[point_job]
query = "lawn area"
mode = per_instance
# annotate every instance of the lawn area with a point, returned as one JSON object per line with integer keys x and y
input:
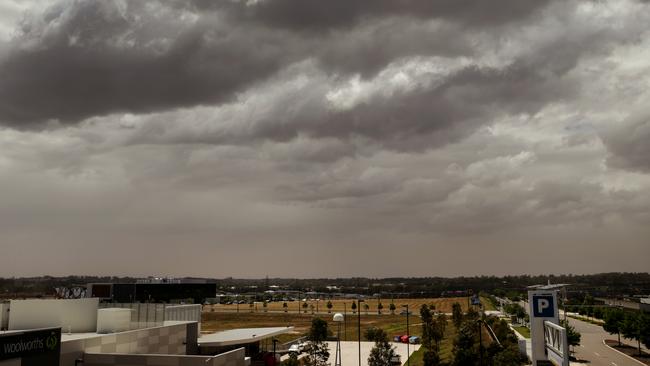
{"x": 487, "y": 303}
{"x": 446, "y": 348}
{"x": 340, "y": 306}
{"x": 392, "y": 324}
{"x": 524, "y": 331}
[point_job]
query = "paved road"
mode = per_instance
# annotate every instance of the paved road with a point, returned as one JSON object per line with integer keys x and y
{"x": 592, "y": 351}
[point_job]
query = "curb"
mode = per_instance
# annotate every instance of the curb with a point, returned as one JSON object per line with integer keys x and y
{"x": 630, "y": 357}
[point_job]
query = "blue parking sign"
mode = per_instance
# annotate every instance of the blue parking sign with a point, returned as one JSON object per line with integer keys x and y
{"x": 543, "y": 306}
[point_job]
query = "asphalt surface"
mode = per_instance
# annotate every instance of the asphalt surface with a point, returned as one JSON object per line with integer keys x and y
{"x": 593, "y": 352}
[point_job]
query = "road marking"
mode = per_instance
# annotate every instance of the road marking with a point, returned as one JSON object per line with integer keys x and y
{"x": 617, "y": 351}
{"x": 614, "y": 364}
{"x": 597, "y": 354}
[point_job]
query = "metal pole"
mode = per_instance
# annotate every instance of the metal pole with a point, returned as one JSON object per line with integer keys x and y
{"x": 408, "y": 335}
{"x": 345, "y": 322}
{"x": 359, "y": 327}
{"x": 480, "y": 343}
{"x": 274, "y": 356}
{"x": 337, "y": 359}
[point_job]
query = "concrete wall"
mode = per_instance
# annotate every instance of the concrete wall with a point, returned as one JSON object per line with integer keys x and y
{"x": 158, "y": 340}
{"x": 4, "y": 315}
{"x": 113, "y": 320}
{"x": 190, "y": 313}
{"x": 142, "y": 315}
{"x": 232, "y": 358}
{"x": 77, "y": 316}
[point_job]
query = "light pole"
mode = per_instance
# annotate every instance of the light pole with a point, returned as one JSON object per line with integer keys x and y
{"x": 338, "y": 318}
{"x": 359, "y": 301}
{"x": 480, "y": 342}
{"x": 275, "y": 359}
{"x": 408, "y": 336}
{"x": 345, "y": 322}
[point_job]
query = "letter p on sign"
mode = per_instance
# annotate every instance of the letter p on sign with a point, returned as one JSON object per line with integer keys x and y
{"x": 543, "y": 306}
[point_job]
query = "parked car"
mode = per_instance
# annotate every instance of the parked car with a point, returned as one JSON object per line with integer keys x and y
{"x": 414, "y": 340}
{"x": 397, "y": 338}
{"x": 296, "y": 348}
{"x": 404, "y": 312}
{"x": 404, "y": 339}
{"x": 396, "y": 360}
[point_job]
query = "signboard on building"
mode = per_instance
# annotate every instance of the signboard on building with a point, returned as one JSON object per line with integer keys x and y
{"x": 33, "y": 348}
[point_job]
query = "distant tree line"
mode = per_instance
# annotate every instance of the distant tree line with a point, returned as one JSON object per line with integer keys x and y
{"x": 604, "y": 284}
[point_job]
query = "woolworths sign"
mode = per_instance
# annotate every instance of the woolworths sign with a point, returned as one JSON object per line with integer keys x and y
{"x": 37, "y": 347}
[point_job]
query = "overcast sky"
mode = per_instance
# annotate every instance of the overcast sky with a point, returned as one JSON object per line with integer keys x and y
{"x": 310, "y": 138}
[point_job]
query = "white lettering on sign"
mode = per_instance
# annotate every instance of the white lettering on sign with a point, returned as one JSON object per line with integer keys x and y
{"x": 543, "y": 304}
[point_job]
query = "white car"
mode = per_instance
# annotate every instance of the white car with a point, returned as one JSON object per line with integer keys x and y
{"x": 296, "y": 348}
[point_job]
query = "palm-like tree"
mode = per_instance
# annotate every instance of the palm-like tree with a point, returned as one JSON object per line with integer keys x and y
{"x": 329, "y": 306}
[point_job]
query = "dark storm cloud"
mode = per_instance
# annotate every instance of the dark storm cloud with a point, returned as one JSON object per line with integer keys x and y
{"x": 99, "y": 60}
{"x": 629, "y": 143}
{"x": 80, "y": 59}
{"x": 322, "y": 15}
{"x": 427, "y": 116}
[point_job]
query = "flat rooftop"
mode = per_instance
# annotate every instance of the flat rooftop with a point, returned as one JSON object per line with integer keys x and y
{"x": 240, "y": 336}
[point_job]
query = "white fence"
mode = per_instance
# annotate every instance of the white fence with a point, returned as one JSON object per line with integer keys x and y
{"x": 557, "y": 347}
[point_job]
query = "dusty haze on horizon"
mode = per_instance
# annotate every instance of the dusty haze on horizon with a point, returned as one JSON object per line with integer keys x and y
{"x": 310, "y": 138}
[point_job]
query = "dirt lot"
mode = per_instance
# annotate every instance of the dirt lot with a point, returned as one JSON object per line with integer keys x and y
{"x": 441, "y": 304}
{"x": 225, "y": 317}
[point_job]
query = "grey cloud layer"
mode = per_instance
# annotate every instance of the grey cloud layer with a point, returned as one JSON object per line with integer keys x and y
{"x": 475, "y": 129}
{"x": 80, "y": 59}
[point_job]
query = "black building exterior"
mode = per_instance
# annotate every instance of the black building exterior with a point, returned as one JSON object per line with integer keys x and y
{"x": 155, "y": 292}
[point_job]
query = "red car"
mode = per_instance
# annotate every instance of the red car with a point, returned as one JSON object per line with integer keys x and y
{"x": 404, "y": 339}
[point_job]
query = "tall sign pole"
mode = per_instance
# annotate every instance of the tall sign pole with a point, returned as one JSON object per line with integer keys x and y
{"x": 543, "y": 307}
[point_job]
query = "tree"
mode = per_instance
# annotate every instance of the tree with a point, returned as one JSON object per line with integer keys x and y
{"x": 382, "y": 353}
{"x": 329, "y": 306}
{"x": 366, "y": 307}
{"x": 392, "y": 308}
{"x": 645, "y": 330}
{"x": 427, "y": 327}
{"x": 304, "y": 306}
{"x": 613, "y": 322}
{"x": 265, "y": 305}
{"x": 572, "y": 335}
{"x": 251, "y": 304}
{"x": 438, "y": 331}
{"x": 354, "y": 307}
{"x": 317, "y": 331}
{"x": 373, "y": 334}
{"x": 472, "y": 315}
{"x": 379, "y": 307}
{"x": 509, "y": 356}
{"x": 636, "y": 326}
{"x": 318, "y": 350}
{"x": 292, "y": 361}
{"x": 465, "y": 350}
{"x": 456, "y": 314}
{"x": 430, "y": 358}
{"x": 285, "y": 307}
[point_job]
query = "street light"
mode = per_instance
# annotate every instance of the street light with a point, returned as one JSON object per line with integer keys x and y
{"x": 408, "y": 336}
{"x": 359, "y": 301}
{"x": 345, "y": 322}
{"x": 338, "y": 318}
{"x": 480, "y": 342}
{"x": 275, "y": 357}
